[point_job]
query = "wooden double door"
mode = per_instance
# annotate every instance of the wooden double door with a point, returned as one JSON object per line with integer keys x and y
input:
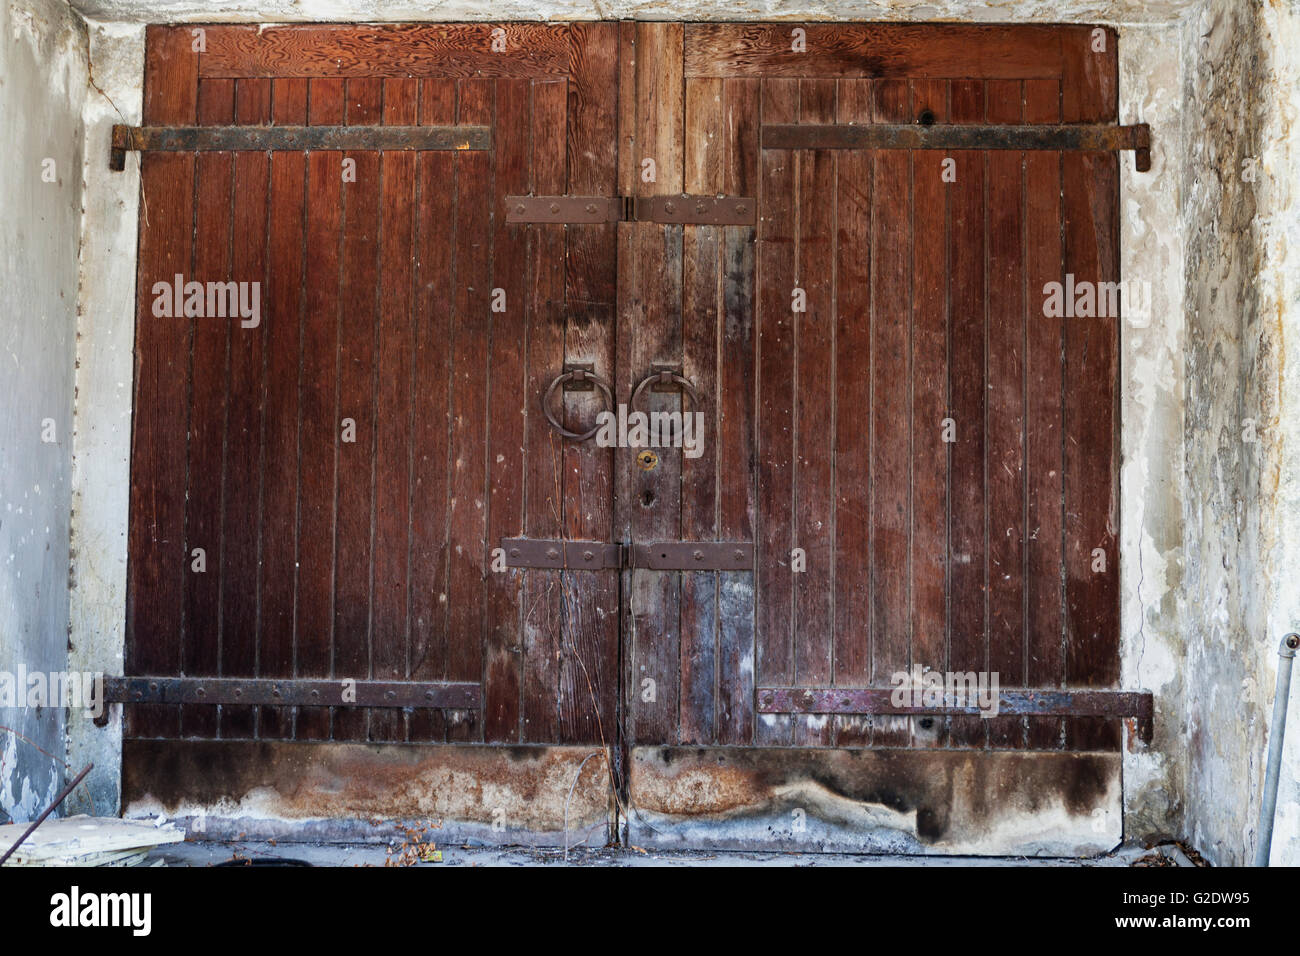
{"x": 914, "y": 461}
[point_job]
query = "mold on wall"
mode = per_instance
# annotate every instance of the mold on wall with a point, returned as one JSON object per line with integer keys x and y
{"x": 42, "y": 88}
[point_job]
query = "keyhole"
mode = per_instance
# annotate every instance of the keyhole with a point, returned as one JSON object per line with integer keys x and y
{"x": 647, "y": 498}
{"x": 927, "y": 117}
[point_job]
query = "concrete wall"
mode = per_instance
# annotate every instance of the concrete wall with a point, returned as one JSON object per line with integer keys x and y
{"x": 42, "y": 90}
{"x": 1240, "y": 498}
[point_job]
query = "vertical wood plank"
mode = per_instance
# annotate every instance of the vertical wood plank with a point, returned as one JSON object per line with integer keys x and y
{"x": 968, "y": 388}
{"x": 736, "y": 416}
{"x": 241, "y": 547}
{"x": 508, "y": 411}
{"x": 543, "y": 590}
{"x": 929, "y": 390}
{"x": 851, "y": 371}
{"x": 209, "y": 368}
{"x": 394, "y": 407}
{"x": 706, "y": 148}
{"x": 775, "y": 441}
{"x": 318, "y": 401}
{"x": 1006, "y": 410}
{"x": 891, "y": 373}
{"x": 431, "y": 384}
{"x": 156, "y": 527}
{"x": 1043, "y": 417}
{"x": 468, "y": 481}
{"x": 650, "y": 314}
{"x": 1091, "y": 358}
{"x": 814, "y": 331}
{"x": 588, "y": 665}
{"x": 357, "y": 328}
{"x": 283, "y": 303}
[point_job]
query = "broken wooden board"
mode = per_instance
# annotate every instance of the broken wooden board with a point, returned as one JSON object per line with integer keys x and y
{"x": 86, "y": 841}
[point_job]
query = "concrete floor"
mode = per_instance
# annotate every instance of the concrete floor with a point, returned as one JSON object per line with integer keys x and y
{"x": 320, "y": 854}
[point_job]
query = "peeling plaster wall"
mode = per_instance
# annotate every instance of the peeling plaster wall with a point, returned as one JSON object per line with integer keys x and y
{"x": 42, "y": 87}
{"x": 1241, "y": 90}
{"x": 1151, "y": 415}
{"x": 105, "y": 374}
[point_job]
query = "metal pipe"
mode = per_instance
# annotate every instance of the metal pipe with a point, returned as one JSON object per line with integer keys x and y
{"x": 48, "y": 810}
{"x": 1277, "y": 730}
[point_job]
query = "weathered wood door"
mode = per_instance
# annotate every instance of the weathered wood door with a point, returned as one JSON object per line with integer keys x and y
{"x": 919, "y": 452}
{"x": 313, "y": 494}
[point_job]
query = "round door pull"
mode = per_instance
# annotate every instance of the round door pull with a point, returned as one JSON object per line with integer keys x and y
{"x": 574, "y": 375}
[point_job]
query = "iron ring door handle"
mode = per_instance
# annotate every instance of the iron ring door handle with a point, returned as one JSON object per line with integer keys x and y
{"x": 664, "y": 377}
{"x": 575, "y": 375}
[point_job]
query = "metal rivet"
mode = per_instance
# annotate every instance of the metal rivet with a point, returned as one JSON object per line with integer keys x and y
{"x": 740, "y": 208}
{"x": 739, "y": 555}
{"x": 669, "y": 207}
{"x": 699, "y": 555}
{"x": 591, "y": 207}
{"x": 552, "y": 553}
{"x": 555, "y": 207}
{"x": 514, "y": 552}
{"x": 587, "y": 555}
{"x": 519, "y": 208}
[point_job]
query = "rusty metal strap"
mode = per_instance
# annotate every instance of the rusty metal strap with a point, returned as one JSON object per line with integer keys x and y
{"x": 694, "y": 556}
{"x": 655, "y": 556}
{"x": 185, "y": 139}
{"x": 292, "y": 692}
{"x": 1036, "y": 702}
{"x": 688, "y": 210}
{"x": 556, "y": 553}
{"x": 1065, "y": 137}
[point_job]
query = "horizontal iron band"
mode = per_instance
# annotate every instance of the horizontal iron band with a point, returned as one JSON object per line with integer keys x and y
{"x": 1037, "y": 702}
{"x": 562, "y": 554}
{"x": 260, "y": 138}
{"x": 694, "y": 556}
{"x": 1067, "y": 137}
{"x": 292, "y": 692}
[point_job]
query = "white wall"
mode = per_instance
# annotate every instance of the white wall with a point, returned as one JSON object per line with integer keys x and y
{"x": 42, "y": 88}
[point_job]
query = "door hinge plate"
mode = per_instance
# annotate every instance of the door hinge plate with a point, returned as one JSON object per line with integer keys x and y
{"x": 562, "y": 554}
{"x": 290, "y": 692}
{"x": 682, "y": 210}
{"x": 655, "y": 556}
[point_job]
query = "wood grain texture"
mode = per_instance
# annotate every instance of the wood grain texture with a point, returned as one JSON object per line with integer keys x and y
{"x": 283, "y": 305}
{"x": 774, "y": 538}
{"x": 929, "y": 397}
{"x": 1091, "y": 187}
{"x": 241, "y": 553}
{"x": 318, "y": 402}
{"x": 158, "y": 560}
{"x": 588, "y": 664}
{"x": 209, "y": 370}
{"x": 734, "y": 708}
{"x": 1006, "y": 409}
{"x": 895, "y": 51}
{"x": 968, "y": 386}
{"x": 891, "y": 413}
{"x": 1044, "y": 407}
{"x": 435, "y": 268}
{"x": 390, "y": 585}
{"x": 508, "y": 412}
{"x": 402, "y": 50}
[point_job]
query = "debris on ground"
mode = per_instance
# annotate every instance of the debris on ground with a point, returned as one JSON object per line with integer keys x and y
{"x": 87, "y": 841}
